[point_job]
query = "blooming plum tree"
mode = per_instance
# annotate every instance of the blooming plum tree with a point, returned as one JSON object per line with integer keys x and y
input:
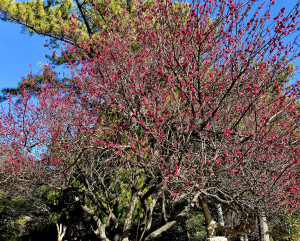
{"x": 185, "y": 99}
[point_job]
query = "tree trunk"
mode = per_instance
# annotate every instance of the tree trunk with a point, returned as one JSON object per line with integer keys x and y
{"x": 264, "y": 228}
{"x": 129, "y": 216}
{"x": 61, "y": 231}
{"x": 217, "y": 239}
{"x": 220, "y": 214}
{"x": 211, "y": 225}
{"x": 220, "y": 217}
{"x": 100, "y": 231}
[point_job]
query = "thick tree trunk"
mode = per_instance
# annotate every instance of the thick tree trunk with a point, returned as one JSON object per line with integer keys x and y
{"x": 220, "y": 217}
{"x": 211, "y": 225}
{"x": 264, "y": 228}
{"x": 220, "y": 214}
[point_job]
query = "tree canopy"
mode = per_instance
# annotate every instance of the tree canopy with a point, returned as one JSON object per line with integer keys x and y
{"x": 191, "y": 106}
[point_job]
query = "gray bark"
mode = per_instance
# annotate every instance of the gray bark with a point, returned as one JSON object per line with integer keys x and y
{"x": 264, "y": 228}
{"x": 129, "y": 216}
{"x": 220, "y": 215}
{"x": 100, "y": 231}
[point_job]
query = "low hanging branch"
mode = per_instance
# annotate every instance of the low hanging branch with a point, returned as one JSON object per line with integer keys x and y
{"x": 183, "y": 214}
{"x": 212, "y": 226}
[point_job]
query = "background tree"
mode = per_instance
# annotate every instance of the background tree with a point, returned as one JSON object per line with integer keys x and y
{"x": 51, "y": 20}
{"x": 285, "y": 227}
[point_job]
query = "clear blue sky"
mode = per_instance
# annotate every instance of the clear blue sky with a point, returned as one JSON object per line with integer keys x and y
{"x": 19, "y": 50}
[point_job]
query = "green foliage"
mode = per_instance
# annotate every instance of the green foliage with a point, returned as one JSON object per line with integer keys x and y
{"x": 15, "y": 216}
{"x": 51, "y": 18}
{"x": 36, "y": 15}
{"x": 286, "y": 228}
{"x": 122, "y": 194}
{"x": 196, "y": 227}
{"x": 192, "y": 229}
{"x": 63, "y": 209}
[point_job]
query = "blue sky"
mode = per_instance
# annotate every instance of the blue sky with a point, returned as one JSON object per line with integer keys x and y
{"x": 17, "y": 51}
